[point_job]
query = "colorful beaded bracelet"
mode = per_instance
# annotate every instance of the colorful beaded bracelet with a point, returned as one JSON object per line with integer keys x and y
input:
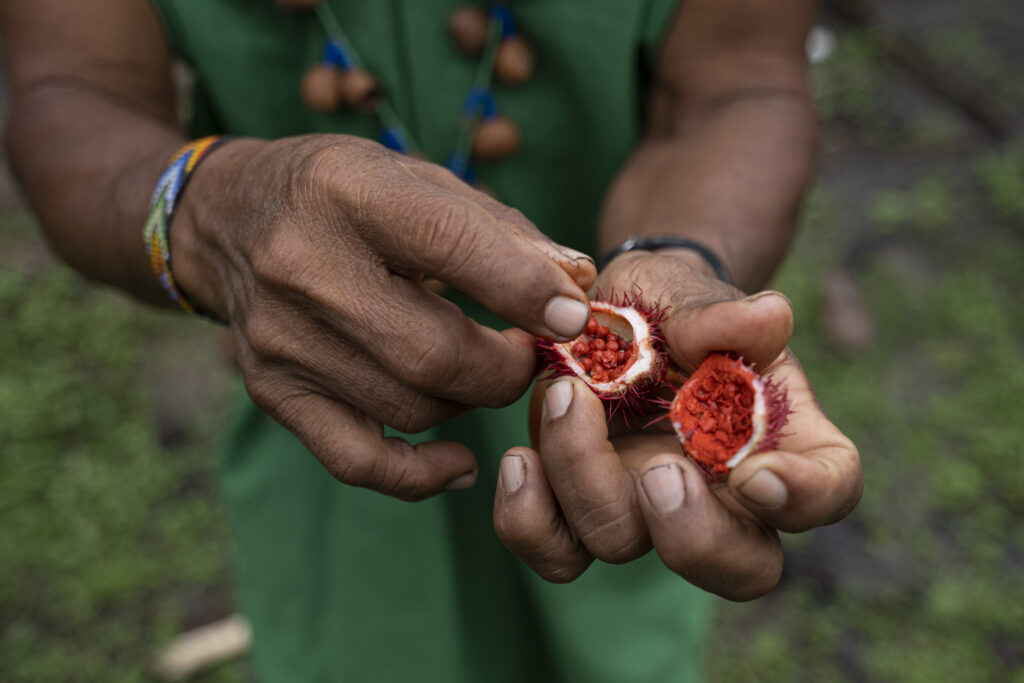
{"x": 156, "y": 233}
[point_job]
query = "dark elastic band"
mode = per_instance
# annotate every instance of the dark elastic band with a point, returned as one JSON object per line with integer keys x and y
{"x": 656, "y": 242}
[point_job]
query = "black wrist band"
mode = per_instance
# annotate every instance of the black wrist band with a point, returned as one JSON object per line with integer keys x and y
{"x": 656, "y": 242}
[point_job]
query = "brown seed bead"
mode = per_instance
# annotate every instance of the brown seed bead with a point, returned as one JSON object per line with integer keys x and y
{"x": 320, "y": 89}
{"x": 359, "y": 90}
{"x": 297, "y": 4}
{"x": 468, "y": 28}
{"x": 514, "y": 63}
{"x": 496, "y": 138}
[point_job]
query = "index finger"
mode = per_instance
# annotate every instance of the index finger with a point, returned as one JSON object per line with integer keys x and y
{"x": 503, "y": 262}
{"x": 594, "y": 490}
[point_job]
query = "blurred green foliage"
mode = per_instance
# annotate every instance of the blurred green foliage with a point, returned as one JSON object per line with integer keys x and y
{"x": 925, "y": 580}
{"x": 106, "y": 535}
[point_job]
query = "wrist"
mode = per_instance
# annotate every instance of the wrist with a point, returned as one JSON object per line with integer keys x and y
{"x": 698, "y": 255}
{"x": 204, "y": 234}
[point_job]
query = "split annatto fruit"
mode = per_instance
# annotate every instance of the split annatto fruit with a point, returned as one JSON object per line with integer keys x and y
{"x": 619, "y": 354}
{"x": 725, "y": 411}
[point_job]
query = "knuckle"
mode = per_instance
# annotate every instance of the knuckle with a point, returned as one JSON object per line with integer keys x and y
{"x": 282, "y": 259}
{"x": 320, "y": 162}
{"x": 697, "y": 553}
{"x": 561, "y": 573}
{"x": 351, "y": 466}
{"x": 384, "y": 474}
{"x": 415, "y": 413}
{"x": 761, "y": 584}
{"x": 613, "y": 531}
{"x": 523, "y": 536}
{"x": 618, "y": 540}
{"x": 549, "y": 552}
{"x": 444, "y": 235}
{"x": 429, "y": 364}
{"x": 267, "y": 337}
{"x": 261, "y": 389}
{"x": 277, "y": 394}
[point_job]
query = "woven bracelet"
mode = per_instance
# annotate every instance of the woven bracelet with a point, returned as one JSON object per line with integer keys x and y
{"x": 656, "y": 242}
{"x": 156, "y": 232}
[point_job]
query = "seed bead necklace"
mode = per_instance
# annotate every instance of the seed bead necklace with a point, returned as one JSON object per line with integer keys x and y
{"x": 341, "y": 78}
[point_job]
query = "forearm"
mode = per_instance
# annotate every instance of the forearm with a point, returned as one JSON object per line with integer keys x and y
{"x": 88, "y": 164}
{"x": 91, "y": 125}
{"x": 731, "y": 136}
{"x": 731, "y": 177}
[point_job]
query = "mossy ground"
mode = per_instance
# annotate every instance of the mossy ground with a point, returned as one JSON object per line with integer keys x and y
{"x": 113, "y": 539}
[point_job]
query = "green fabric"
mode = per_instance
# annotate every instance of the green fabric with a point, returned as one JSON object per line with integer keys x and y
{"x": 343, "y": 584}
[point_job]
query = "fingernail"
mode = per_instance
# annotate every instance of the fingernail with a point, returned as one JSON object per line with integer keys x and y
{"x": 557, "y": 399}
{"x": 566, "y": 317}
{"x": 664, "y": 487}
{"x": 574, "y": 255}
{"x": 765, "y": 294}
{"x": 512, "y": 472}
{"x": 764, "y": 488}
{"x": 463, "y": 481}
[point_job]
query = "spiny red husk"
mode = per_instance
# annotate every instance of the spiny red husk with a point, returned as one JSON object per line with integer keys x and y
{"x": 725, "y": 411}
{"x": 625, "y": 379}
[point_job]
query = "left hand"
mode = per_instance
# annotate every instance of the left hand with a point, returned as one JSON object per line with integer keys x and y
{"x": 586, "y": 493}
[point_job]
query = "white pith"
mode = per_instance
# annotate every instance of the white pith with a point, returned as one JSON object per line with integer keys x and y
{"x": 614, "y": 318}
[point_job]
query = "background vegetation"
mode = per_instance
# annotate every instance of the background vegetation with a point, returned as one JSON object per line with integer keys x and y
{"x": 905, "y": 281}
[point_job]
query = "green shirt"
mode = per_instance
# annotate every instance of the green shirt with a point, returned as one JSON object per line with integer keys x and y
{"x": 345, "y": 584}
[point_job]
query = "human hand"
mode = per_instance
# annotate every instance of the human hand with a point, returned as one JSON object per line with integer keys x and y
{"x": 315, "y": 249}
{"x": 591, "y": 489}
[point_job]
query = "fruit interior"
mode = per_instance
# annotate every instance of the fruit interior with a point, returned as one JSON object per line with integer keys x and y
{"x": 606, "y": 349}
{"x": 715, "y": 413}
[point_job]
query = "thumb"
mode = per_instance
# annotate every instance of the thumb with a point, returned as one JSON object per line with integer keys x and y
{"x": 757, "y": 328}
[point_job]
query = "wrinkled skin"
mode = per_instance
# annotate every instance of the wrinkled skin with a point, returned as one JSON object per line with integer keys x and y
{"x": 586, "y": 493}
{"x": 336, "y": 331}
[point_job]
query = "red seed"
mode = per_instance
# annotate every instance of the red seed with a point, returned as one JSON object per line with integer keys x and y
{"x": 586, "y": 364}
{"x": 602, "y": 330}
{"x": 613, "y": 345}
{"x": 591, "y": 326}
{"x": 580, "y": 349}
{"x": 597, "y": 344}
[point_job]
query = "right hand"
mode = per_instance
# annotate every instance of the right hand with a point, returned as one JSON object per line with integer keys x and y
{"x": 315, "y": 250}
